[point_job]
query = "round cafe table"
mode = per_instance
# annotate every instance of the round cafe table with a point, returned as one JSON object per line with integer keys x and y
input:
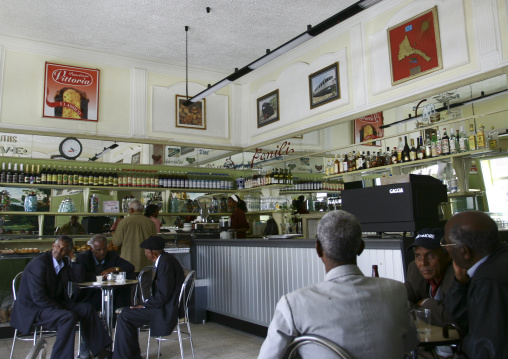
{"x": 435, "y": 338}
{"x": 107, "y": 288}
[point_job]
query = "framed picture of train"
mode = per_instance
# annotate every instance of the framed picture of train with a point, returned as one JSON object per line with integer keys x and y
{"x": 324, "y": 85}
{"x": 268, "y": 108}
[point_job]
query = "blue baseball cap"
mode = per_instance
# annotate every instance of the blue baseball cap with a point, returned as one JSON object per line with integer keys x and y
{"x": 429, "y": 238}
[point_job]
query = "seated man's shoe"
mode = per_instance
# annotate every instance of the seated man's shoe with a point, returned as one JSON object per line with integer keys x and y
{"x": 84, "y": 351}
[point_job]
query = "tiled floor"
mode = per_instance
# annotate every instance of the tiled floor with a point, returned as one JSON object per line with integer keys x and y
{"x": 211, "y": 341}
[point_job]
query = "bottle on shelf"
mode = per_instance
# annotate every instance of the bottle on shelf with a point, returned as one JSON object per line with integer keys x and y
{"x": 28, "y": 174}
{"x": 405, "y": 151}
{"x": 393, "y": 156}
{"x": 375, "y": 272}
{"x": 345, "y": 163}
{"x": 15, "y": 174}
{"x": 9, "y": 173}
{"x": 3, "y": 174}
{"x": 21, "y": 176}
{"x": 65, "y": 176}
{"x": 493, "y": 139}
{"x": 445, "y": 143}
{"x": 412, "y": 151}
{"x": 439, "y": 144}
{"x": 421, "y": 150}
{"x": 367, "y": 160}
{"x": 399, "y": 150}
{"x": 44, "y": 177}
{"x": 36, "y": 175}
{"x": 453, "y": 143}
{"x": 351, "y": 166}
{"x": 388, "y": 157}
{"x": 433, "y": 145}
{"x": 480, "y": 138}
{"x": 472, "y": 138}
{"x": 336, "y": 165}
{"x": 428, "y": 147}
{"x": 54, "y": 175}
{"x": 463, "y": 140}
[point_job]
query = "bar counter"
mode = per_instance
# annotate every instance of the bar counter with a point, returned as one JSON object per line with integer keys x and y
{"x": 246, "y": 277}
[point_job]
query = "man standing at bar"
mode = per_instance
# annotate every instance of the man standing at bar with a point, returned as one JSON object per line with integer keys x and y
{"x": 160, "y": 310}
{"x": 129, "y": 234}
{"x": 479, "y": 295}
{"x": 428, "y": 280}
{"x": 43, "y": 300}
{"x": 368, "y": 317}
{"x": 99, "y": 261}
{"x": 72, "y": 227}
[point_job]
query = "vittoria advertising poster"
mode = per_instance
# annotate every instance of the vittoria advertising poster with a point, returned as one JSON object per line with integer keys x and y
{"x": 71, "y": 92}
{"x": 367, "y": 128}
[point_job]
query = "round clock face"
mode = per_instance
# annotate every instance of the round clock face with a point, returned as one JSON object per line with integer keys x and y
{"x": 70, "y": 148}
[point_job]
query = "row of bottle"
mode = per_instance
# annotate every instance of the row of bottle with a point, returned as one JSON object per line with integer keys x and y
{"x": 434, "y": 146}
{"x": 316, "y": 184}
{"x": 270, "y": 177}
{"x": 73, "y": 176}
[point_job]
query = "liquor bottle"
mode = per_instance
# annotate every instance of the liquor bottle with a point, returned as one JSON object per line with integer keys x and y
{"x": 445, "y": 143}
{"x": 405, "y": 151}
{"x": 65, "y": 176}
{"x": 85, "y": 177}
{"x": 428, "y": 147}
{"x": 351, "y": 166}
{"x": 493, "y": 139}
{"x": 433, "y": 143}
{"x": 336, "y": 165}
{"x": 54, "y": 175}
{"x": 463, "y": 140}
{"x": 367, "y": 160}
{"x": 327, "y": 166}
{"x": 373, "y": 160}
{"x": 480, "y": 138}
{"x": 472, "y": 138}
{"x": 393, "y": 156}
{"x": 44, "y": 177}
{"x": 290, "y": 177}
{"x": 399, "y": 150}
{"x": 388, "y": 157}
{"x": 364, "y": 160}
{"x": 412, "y": 151}
{"x": 420, "y": 151}
{"x": 453, "y": 142}
{"x": 36, "y": 175}
{"x": 439, "y": 145}
{"x": 94, "y": 178}
{"x": 21, "y": 175}
{"x": 27, "y": 174}
{"x": 15, "y": 174}
{"x": 59, "y": 178}
{"x": 345, "y": 163}
{"x": 341, "y": 163}
{"x": 3, "y": 174}
{"x": 9, "y": 173}
{"x": 359, "y": 162}
{"x": 100, "y": 177}
{"x": 380, "y": 159}
{"x": 375, "y": 272}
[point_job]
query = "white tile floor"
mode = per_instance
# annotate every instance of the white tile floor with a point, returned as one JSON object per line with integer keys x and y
{"x": 211, "y": 341}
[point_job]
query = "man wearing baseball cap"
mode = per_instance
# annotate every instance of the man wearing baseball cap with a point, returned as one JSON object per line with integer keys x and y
{"x": 429, "y": 278}
{"x": 160, "y": 310}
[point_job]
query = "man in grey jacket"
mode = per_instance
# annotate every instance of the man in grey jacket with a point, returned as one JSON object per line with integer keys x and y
{"x": 368, "y": 317}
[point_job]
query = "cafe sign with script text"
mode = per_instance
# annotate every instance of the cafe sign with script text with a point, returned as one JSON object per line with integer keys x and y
{"x": 280, "y": 150}
{"x": 71, "y": 92}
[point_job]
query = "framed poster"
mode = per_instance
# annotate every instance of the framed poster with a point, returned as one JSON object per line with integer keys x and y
{"x": 136, "y": 158}
{"x": 415, "y": 47}
{"x": 268, "y": 108}
{"x": 324, "y": 85}
{"x": 71, "y": 92}
{"x": 368, "y": 128}
{"x": 192, "y": 116}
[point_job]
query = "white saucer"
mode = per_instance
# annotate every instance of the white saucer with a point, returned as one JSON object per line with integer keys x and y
{"x": 97, "y": 283}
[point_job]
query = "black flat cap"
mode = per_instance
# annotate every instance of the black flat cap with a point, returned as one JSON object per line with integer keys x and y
{"x": 154, "y": 243}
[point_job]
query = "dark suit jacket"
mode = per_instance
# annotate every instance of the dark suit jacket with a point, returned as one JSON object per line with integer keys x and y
{"x": 480, "y": 307}
{"x": 39, "y": 289}
{"x": 166, "y": 287}
{"x": 418, "y": 288}
{"x": 112, "y": 259}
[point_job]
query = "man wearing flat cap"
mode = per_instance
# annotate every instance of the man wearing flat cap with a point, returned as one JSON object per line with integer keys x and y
{"x": 160, "y": 310}
{"x": 428, "y": 280}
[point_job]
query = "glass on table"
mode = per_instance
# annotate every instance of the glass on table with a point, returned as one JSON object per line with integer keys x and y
{"x": 423, "y": 320}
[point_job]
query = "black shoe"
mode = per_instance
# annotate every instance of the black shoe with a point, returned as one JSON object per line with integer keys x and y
{"x": 84, "y": 351}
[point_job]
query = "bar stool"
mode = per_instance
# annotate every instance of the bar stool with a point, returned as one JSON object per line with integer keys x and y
{"x": 183, "y": 301}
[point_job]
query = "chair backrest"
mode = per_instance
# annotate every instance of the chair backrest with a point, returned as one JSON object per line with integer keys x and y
{"x": 186, "y": 291}
{"x": 15, "y": 284}
{"x": 315, "y": 339}
{"x": 144, "y": 287}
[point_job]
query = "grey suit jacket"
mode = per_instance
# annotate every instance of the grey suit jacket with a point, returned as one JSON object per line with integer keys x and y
{"x": 368, "y": 317}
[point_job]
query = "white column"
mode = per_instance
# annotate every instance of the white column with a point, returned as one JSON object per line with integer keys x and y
{"x": 138, "y": 118}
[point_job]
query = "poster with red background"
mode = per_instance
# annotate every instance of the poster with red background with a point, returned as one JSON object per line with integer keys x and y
{"x": 415, "y": 48}
{"x": 71, "y": 92}
{"x": 367, "y": 128}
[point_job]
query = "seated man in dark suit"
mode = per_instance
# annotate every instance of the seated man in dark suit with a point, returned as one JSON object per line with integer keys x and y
{"x": 98, "y": 261}
{"x": 43, "y": 300}
{"x": 428, "y": 281}
{"x": 160, "y": 310}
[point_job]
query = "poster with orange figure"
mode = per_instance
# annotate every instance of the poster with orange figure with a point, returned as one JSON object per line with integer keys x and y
{"x": 415, "y": 47}
{"x": 71, "y": 92}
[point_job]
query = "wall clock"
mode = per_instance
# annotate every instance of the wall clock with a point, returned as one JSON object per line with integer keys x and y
{"x": 70, "y": 148}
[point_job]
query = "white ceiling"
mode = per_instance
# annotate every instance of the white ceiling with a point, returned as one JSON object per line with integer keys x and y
{"x": 233, "y": 34}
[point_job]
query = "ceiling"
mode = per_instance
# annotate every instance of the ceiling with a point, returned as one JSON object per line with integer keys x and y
{"x": 233, "y": 34}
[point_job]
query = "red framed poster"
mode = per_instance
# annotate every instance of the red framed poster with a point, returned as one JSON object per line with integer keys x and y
{"x": 71, "y": 92}
{"x": 415, "y": 47}
{"x": 367, "y": 128}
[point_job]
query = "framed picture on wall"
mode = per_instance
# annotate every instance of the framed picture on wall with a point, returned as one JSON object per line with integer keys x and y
{"x": 324, "y": 85}
{"x": 192, "y": 116}
{"x": 367, "y": 128}
{"x": 71, "y": 92}
{"x": 136, "y": 158}
{"x": 268, "y": 108}
{"x": 415, "y": 47}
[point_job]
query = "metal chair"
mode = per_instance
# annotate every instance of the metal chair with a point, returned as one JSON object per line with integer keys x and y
{"x": 38, "y": 351}
{"x": 183, "y": 301}
{"x": 315, "y": 339}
